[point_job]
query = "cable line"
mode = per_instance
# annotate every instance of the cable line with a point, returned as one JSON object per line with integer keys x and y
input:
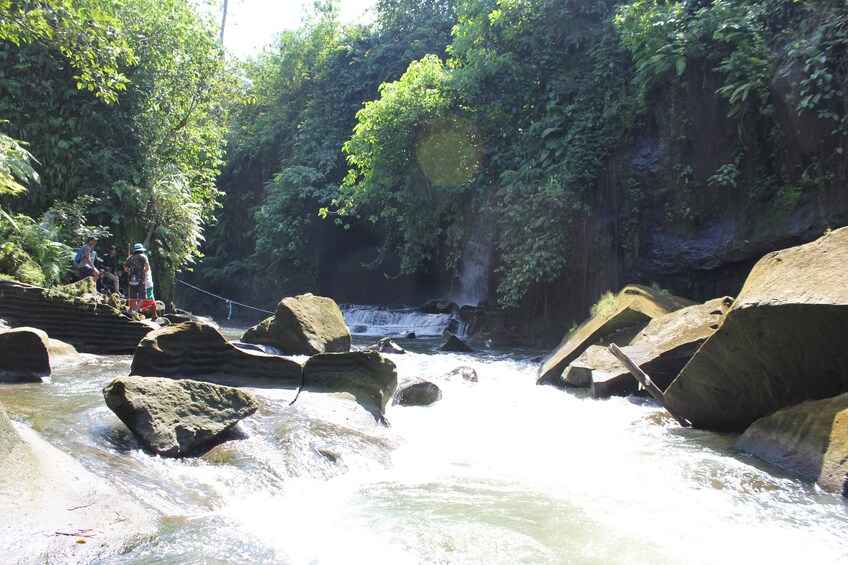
{"x": 227, "y": 300}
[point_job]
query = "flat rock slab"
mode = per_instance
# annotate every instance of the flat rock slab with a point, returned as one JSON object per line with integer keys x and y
{"x": 177, "y": 417}
{"x": 661, "y": 349}
{"x": 365, "y": 372}
{"x": 636, "y": 306}
{"x": 303, "y": 325}
{"x": 50, "y": 502}
{"x": 199, "y": 351}
{"x": 810, "y": 439}
{"x": 89, "y": 327}
{"x": 783, "y": 341}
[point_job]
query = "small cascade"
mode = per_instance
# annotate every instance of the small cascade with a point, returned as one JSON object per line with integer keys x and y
{"x": 386, "y": 322}
{"x": 473, "y": 284}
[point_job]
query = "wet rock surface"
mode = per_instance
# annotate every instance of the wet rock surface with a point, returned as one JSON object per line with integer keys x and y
{"x": 782, "y": 342}
{"x": 809, "y": 439}
{"x": 303, "y": 325}
{"x": 368, "y": 375}
{"x": 177, "y": 417}
{"x": 199, "y": 351}
{"x": 419, "y": 393}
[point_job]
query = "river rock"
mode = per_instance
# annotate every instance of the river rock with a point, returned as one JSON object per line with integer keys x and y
{"x": 303, "y": 325}
{"x": 199, "y": 351}
{"x": 45, "y": 491}
{"x": 454, "y": 344}
{"x": 783, "y": 341}
{"x": 88, "y": 326}
{"x": 177, "y": 417}
{"x": 662, "y": 349}
{"x": 419, "y": 393}
{"x": 635, "y": 306}
{"x": 810, "y": 439}
{"x": 438, "y": 306}
{"x": 28, "y": 354}
{"x": 386, "y": 345}
{"x": 369, "y": 376}
{"x": 465, "y": 372}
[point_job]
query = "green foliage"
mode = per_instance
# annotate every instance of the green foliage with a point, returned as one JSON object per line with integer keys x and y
{"x": 412, "y": 156}
{"x": 605, "y": 306}
{"x": 15, "y": 166}
{"x": 34, "y": 250}
{"x": 85, "y": 32}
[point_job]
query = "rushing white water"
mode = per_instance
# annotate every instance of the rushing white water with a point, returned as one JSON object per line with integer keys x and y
{"x": 497, "y": 471}
{"x": 387, "y": 322}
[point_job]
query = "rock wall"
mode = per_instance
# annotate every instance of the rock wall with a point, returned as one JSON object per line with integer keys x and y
{"x": 89, "y": 327}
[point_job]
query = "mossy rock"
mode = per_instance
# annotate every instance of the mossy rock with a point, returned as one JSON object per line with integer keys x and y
{"x": 17, "y": 264}
{"x": 303, "y": 325}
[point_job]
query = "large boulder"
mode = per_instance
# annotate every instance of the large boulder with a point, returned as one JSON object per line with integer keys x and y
{"x": 783, "y": 341}
{"x": 369, "y": 376}
{"x": 631, "y": 311}
{"x": 177, "y": 417}
{"x": 45, "y": 491}
{"x": 199, "y": 351}
{"x": 303, "y": 325}
{"x": 662, "y": 349}
{"x": 87, "y": 325}
{"x": 810, "y": 439}
{"x": 28, "y": 354}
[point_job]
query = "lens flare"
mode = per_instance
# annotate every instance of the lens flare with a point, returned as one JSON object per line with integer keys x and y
{"x": 449, "y": 151}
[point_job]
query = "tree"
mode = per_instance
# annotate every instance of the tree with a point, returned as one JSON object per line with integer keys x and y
{"x": 84, "y": 31}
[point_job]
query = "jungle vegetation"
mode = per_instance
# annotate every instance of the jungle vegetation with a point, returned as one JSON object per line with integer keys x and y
{"x": 399, "y": 134}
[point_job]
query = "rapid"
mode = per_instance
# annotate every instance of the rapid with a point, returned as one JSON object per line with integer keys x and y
{"x": 497, "y": 471}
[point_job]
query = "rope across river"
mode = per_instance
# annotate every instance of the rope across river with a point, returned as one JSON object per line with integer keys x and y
{"x": 227, "y": 300}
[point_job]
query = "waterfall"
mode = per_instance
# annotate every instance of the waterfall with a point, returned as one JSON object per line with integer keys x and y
{"x": 473, "y": 284}
{"x": 384, "y": 321}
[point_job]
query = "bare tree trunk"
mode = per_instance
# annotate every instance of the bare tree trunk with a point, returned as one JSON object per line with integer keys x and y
{"x": 223, "y": 21}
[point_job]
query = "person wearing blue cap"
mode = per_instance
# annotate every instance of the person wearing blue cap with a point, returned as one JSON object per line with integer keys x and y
{"x": 137, "y": 266}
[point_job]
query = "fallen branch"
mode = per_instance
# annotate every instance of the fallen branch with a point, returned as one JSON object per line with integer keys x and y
{"x": 646, "y": 382}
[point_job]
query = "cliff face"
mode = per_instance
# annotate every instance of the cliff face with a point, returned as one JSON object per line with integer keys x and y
{"x": 697, "y": 197}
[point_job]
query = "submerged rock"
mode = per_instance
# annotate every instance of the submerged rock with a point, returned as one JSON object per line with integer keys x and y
{"x": 454, "y": 344}
{"x": 420, "y": 393}
{"x": 810, "y": 439}
{"x": 633, "y": 308}
{"x": 783, "y": 341}
{"x": 303, "y": 325}
{"x": 28, "y": 354}
{"x": 369, "y": 376}
{"x": 199, "y": 351}
{"x": 386, "y": 345}
{"x": 465, "y": 372}
{"x": 177, "y": 417}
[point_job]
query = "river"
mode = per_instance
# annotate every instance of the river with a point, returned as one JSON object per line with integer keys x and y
{"x": 498, "y": 471}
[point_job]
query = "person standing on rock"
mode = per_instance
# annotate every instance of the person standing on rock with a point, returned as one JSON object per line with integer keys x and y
{"x": 137, "y": 267}
{"x": 85, "y": 259}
